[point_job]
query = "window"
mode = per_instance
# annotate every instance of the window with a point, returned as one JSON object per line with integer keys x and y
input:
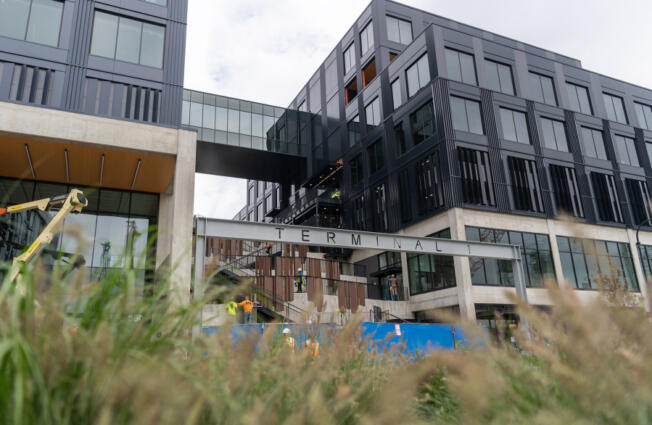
{"x": 535, "y": 251}
{"x": 514, "y": 126}
{"x": 525, "y": 184}
{"x": 606, "y": 198}
{"x": 645, "y": 252}
{"x": 405, "y": 195}
{"x": 466, "y": 115}
{"x": 268, "y": 203}
{"x": 372, "y": 112}
{"x": 260, "y": 216}
{"x": 554, "y": 134}
{"x": 399, "y": 139}
{"x": 376, "y": 156}
{"x": 430, "y": 194}
{"x": 460, "y": 66}
{"x": 357, "y": 172}
{"x": 583, "y": 260}
{"x": 543, "y": 89}
{"x": 625, "y": 150}
{"x": 615, "y": 108}
{"x": 367, "y": 38}
{"x": 477, "y": 184}
{"x": 359, "y": 221}
{"x": 380, "y": 209}
{"x": 644, "y": 114}
{"x": 127, "y": 40}
{"x": 368, "y": 73}
{"x": 351, "y": 91}
{"x": 565, "y": 191}
{"x": 37, "y": 21}
{"x": 392, "y": 56}
{"x": 593, "y": 143}
{"x": 399, "y": 30}
{"x": 430, "y": 272}
{"x": 578, "y": 97}
{"x": 354, "y": 131}
{"x": 418, "y": 75}
{"x": 499, "y": 77}
{"x": 639, "y": 198}
{"x": 349, "y": 58}
{"x": 423, "y": 123}
{"x": 252, "y": 195}
{"x": 396, "y": 93}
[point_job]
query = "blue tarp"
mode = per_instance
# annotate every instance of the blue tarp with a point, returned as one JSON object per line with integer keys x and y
{"x": 418, "y": 338}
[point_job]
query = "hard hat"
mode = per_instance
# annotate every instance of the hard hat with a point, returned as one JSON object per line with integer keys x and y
{"x": 286, "y": 330}
{"x": 299, "y": 269}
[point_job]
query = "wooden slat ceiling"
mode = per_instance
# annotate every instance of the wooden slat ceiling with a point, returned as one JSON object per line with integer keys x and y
{"x": 155, "y": 172}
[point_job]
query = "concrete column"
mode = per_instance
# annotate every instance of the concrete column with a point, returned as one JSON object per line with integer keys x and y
{"x": 406, "y": 276}
{"x": 174, "y": 247}
{"x": 461, "y": 264}
{"x": 556, "y": 258}
{"x": 640, "y": 275}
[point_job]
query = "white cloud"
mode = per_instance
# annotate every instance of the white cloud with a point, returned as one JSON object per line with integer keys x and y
{"x": 266, "y": 50}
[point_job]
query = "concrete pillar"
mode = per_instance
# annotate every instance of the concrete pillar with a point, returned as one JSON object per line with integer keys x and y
{"x": 461, "y": 264}
{"x": 556, "y": 258}
{"x": 406, "y": 276}
{"x": 174, "y": 246}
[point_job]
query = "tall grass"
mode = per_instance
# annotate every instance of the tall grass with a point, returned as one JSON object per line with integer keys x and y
{"x": 77, "y": 352}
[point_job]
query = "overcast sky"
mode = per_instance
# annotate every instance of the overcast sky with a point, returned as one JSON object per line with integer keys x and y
{"x": 265, "y": 50}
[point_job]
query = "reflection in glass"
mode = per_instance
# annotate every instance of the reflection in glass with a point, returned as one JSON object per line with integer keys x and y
{"x": 105, "y": 29}
{"x": 13, "y": 18}
{"x": 151, "y": 53}
{"x": 110, "y": 240}
{"x": 44, "y": 22}
{"x": 78, "y": 226}
{"x": 128, "y": 48}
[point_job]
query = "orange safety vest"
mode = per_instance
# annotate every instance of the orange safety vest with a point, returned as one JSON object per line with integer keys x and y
{"x": 247, "y": 306}
{"x": 313, "y": 346}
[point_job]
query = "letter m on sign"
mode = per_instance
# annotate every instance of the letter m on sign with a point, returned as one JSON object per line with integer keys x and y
{"x": 355, "y": 239}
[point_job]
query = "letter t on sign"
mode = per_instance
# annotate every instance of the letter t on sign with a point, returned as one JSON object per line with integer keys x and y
{"x": 280, "y": 229}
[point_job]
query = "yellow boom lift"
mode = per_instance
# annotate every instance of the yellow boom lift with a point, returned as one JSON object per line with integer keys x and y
{"x": 73, "y": 202}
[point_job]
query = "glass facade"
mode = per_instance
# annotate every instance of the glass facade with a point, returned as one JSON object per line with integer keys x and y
{"x": 431, "y": 272}
{"x": 535, "y": 252}
{"x": 554, "y": 134}
{"x": 115, "y": 227}
{"x": 418, "y": 75}
{"x": 584, "y": 260}
{"x": 499, "y": 77}
{"x": 38, "y": 21}
{"x": 128, "y": 40}
{"x": 514, "y": 126}
{"x": 247, "y": 124}
{"x": 461, "y": 67}
{"x": 466, "y": 115}
{"x": 615, "y": 108}
{"x": 543, "y": 89}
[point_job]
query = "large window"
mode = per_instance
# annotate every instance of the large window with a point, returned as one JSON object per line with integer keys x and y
{"x": 357, "y": 172}
{"x": 466, "y": 115}
{"x": 514, "y": 126}
{"x": 476, "y": 181}
{"x": 644, "y": 114}
{"x": 351, "y": 90}
{"x": 396, "y": 93}
{"x": 37, "y": 21}
{"x": 349, "y": 58}
{"x": 543, "y": 89}
{"x": 423, "y": 123}
{"x": 429, "y": 187}
{"x": 380, "y": 209}
{"x": 525, "y": 184}
{"x": 606, "y": 198}
{"x": 593, "y": 143}
{"x": 354, "y": 130}
{"x": 499, "y": 77}
{"x": 418, "y": 75}
{"x": 128, "y": 40}
{"x": 535, "y": 251}
{"x": 584, "y": 260}
{"x": 359, "y": 213}
{"x": 376, "y": 156}
{"x": 460, "y": 66}
{"x": 554, "y": 134}
{"x": 566, "y": 191}
{"x": 578, "y": 97}
{"x": 615, "y": 108}
{"x": 372, "y": 112}
{"x": 639, "y": 199}
{"x": 368, "y": 73}
{"x": 431, "y": 272}
{"x": 625, "y": 150}
{"x": 367, "y": 38}
{"x": 399, "y": 30}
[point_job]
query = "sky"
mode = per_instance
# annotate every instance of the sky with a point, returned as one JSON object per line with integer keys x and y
{"x": 266, "y": 50}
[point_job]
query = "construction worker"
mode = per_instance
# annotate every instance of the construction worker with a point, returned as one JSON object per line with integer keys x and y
{"x": 248, "y": 306}
{"x": 300, "y": 281}
{"x": 393, "y": 289}
{"x": 232, "y": 308}
{"x": 268, "y": 248}
{"x": 337, "y": 194}
{"x": 287, "y": 337}
{"x": 313, "y": 347}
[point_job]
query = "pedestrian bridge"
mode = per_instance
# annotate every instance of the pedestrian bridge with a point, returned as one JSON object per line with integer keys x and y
{"x": 243, "y": 139}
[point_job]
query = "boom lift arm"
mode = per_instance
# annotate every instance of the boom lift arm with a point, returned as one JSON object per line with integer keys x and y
{"x": 74, "y": 202}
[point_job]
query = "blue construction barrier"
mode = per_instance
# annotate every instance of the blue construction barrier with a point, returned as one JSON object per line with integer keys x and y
{"x": 408, "y": 338}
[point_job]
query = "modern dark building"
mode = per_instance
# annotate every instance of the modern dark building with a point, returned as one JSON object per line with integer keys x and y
{"x": 426, "y": 126}
{"x": 414, "y": 124}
